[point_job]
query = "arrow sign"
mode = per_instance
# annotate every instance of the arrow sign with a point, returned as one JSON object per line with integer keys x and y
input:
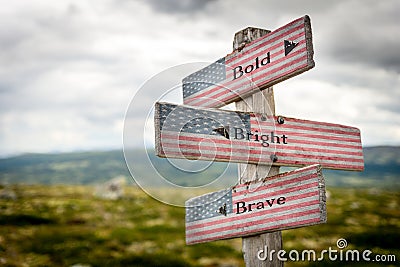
{"x": 245, "y": 137}
{"x": 270, "y": 59}
{"x": 289, "y": 200}
{"x": 289, "y": 46}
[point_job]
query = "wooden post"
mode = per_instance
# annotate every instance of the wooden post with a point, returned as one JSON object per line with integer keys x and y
{"x": 262, "y": 102}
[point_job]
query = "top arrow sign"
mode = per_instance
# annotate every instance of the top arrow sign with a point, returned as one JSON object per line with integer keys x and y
{"x": 270, "y": 59}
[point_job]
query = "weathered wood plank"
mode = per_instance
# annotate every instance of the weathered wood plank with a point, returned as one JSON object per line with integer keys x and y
{"x": 261, "y": 102}
{"x": 284, "y": 201}
{"x": 247, "y": 137}
{"x": 270, "y": 59}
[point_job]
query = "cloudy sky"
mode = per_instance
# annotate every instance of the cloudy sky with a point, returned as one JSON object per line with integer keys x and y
{"x": 69, "y": 69}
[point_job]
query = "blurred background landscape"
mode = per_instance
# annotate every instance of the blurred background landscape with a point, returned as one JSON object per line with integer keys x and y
{"x": 382, "y": 169}
{"x": 69, "y": 69}
{"x": 83, "y": 209}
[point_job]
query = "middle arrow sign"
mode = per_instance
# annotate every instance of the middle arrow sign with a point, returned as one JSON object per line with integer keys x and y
{"x": 245, "y": 137}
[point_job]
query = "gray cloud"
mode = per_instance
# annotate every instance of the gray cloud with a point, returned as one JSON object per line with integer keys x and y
{"x": 179, "y": 6}
{"x": 69, "y": 71}
{"x": 368, "y": 35}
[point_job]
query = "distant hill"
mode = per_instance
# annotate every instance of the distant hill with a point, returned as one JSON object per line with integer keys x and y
{"x": 382, "y": 169}
{"x": 63, "y": 168}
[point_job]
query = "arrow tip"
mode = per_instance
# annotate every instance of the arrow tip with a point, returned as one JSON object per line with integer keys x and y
{"x": 289, "y": 46}
{"x": 223, "y": 130}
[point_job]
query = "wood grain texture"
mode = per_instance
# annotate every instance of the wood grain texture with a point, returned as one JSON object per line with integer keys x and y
{"x": 279, "y": 202}
{"x": 264, "y": 103}
{"x": 192, "y": 133}
{"x": 253, "y": 65}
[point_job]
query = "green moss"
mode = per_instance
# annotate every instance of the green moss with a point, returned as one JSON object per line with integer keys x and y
{"x": 24, "y": 219}
{"x": 66, "y": 225}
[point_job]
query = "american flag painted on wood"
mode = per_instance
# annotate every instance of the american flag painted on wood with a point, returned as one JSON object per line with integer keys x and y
{"x": 277, "y": 56}
{"x": 245, "y": 137}
{"x": 289, "y": 200}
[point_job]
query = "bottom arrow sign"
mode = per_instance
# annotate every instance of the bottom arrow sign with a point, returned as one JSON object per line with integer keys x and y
{"x": 289, "y": 200}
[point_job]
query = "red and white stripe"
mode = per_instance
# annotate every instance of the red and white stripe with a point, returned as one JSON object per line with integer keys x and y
{"x": 280, "y": 68}
{"x": 333, "y": 146}
{"x": 304, "y": 190}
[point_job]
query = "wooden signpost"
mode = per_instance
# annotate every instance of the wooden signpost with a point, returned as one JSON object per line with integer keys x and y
{"x": 272, "y": 58}
{"x": 246, "y": 137}
{"x": 255, "y": 209}
{"x": 284, "y": 201}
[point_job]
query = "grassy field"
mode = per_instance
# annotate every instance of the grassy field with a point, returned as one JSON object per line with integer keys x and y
{"x": 68, "y": 225}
